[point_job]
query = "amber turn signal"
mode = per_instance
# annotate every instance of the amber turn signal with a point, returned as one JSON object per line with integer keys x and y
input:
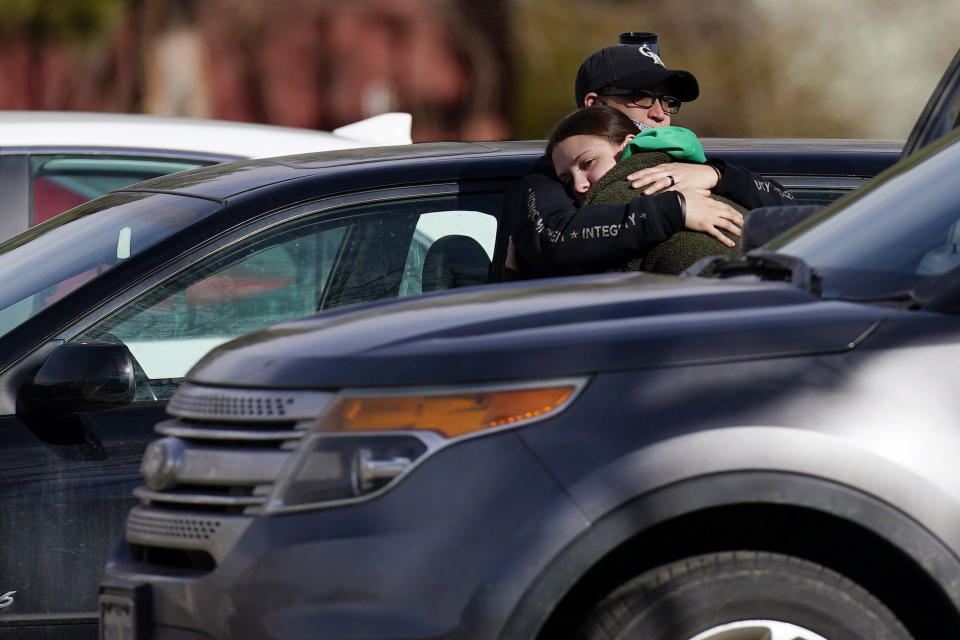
{"x": 450, "y": 414}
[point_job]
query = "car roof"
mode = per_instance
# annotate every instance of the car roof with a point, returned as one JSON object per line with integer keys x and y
{"x": 780, "y": 157}
{"x": 802, "y": 144}
{"x": 776, "y": 157}
{"x": 64, "y": 129}
{"x": 223, "y": 181}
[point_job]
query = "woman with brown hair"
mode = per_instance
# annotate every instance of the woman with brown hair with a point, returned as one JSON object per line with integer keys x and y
{"x": 593, "y": 151}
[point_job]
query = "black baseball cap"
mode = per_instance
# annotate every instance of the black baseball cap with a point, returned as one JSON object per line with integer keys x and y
{"x": 627, "y": 66}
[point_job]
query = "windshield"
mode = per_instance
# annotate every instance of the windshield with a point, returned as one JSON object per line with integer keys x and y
{"x": 898, "y": 233}
{"x": 43, "y": 264}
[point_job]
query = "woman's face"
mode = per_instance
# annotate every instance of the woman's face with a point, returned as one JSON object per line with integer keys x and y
{"x": 581, "y": 160}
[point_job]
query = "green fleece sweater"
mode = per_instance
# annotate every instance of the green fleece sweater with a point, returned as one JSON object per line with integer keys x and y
{"x": 681, "y": 249}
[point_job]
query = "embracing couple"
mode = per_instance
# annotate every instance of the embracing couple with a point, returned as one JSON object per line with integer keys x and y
{"x": 618, "y": 164}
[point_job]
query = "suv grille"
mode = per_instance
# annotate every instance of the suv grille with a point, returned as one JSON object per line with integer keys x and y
{"x": 222, "y": 452}
{"x": 198, "y": 402}
{"x": 166, "y": 526}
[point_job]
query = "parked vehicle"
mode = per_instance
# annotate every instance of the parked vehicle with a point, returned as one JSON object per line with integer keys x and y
{"x": 51, "y": 161}
{"x": 770, "y": 452}
{"x": 174, "y": 266}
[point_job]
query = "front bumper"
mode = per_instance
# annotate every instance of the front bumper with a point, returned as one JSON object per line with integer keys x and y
{"x": 446, "y": 553}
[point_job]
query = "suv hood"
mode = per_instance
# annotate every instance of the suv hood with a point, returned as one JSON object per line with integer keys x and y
{"x": 558, "y": 327}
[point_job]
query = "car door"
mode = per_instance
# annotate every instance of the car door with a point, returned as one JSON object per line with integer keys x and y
{"x": 357, "y": 253}
{"x": 66, "y": 478}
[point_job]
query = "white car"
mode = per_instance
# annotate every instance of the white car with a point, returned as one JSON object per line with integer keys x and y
{"x": 51, "y": 161}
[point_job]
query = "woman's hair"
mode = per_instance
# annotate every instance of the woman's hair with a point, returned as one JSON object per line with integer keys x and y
{"x": 599, "y": 120}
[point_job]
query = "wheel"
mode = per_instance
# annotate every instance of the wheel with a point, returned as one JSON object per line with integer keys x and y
{"x": 742, "y": 595}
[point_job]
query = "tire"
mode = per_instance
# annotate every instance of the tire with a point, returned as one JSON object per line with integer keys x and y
{"x": 743, "y": 595}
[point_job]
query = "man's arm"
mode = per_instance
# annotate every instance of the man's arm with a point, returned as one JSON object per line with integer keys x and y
{"x": 553, "y": 236}
{"x": 747, "y": 188}
{"x": 722, "y": 178}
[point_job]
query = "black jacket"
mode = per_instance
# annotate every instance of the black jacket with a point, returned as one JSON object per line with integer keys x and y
{"x": 553, "y": 236}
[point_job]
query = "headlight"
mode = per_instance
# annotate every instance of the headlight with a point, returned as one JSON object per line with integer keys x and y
{"x": 368, "y": 439}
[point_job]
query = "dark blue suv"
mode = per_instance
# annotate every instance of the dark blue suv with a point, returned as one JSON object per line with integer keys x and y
{"x": 770, "y": 452}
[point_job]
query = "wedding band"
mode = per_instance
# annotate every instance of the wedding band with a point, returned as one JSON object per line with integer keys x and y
{"x": 672, "y": 181}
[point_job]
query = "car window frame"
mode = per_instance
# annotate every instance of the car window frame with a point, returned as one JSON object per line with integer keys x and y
{"x": 170, "y": 326}
{"x": 253, "y": 226}
{"x": 944, "y": 102}
{"x": 103, "y": 165}
{"x": 258, "y": 224}
{"x": 841, "y": 185}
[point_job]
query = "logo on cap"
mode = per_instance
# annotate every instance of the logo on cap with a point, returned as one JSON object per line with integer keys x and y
{"x": 645, "y": 50}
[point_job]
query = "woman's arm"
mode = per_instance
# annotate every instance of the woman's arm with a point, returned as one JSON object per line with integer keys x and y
{"x": 553, "y": 236}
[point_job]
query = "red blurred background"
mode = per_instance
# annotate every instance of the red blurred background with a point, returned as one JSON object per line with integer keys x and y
{"x": 303, "y": 63}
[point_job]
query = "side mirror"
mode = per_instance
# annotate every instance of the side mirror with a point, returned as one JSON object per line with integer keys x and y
{"x": 766, "y": 223}
{"x": 80, "y": 376}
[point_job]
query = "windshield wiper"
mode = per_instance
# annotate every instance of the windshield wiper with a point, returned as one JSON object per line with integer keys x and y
{"x": 767, "y": 265}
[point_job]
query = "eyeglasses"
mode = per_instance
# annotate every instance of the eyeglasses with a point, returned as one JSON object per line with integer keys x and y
{"x": 645, "y": 98}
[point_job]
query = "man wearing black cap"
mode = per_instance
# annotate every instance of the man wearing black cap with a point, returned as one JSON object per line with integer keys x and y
{"x": 556, "y": 237}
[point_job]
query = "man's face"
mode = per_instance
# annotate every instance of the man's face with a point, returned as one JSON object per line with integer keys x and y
{"x": 652, "y": 116}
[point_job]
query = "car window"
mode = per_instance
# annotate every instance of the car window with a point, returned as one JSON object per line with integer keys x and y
{"x": 62, "y": 181}
{"x": 889, "y": 236}
{"x": 328, "y": 260}
{"x": 435, "y": 234}
{"x": 73, "y": 249}
{"x": 820, "y": 196}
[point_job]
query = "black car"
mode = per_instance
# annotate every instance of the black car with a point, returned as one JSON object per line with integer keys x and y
{"x": 769, "y": 452}
{"x": 105, "y": 307}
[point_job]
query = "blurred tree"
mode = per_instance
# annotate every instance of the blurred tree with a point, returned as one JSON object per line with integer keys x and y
{"x": 43, "y": 42}
{"x": 322, "y": 64}
{"x": 50, "y": 20}
{"x": 308, "y": 63}
{"x": 174, "y": 79}
{"x": 469, "y": 69}
{"x": 766, "y": 68}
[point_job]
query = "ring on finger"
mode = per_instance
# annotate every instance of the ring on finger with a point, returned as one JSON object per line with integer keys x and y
{"x": 672, "y": 181}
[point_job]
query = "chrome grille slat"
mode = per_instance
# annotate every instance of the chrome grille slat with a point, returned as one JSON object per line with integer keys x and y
{"x": 230, "y": 467}
{"x": 202, "y": 433}
{"x": 197, "y": 499}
